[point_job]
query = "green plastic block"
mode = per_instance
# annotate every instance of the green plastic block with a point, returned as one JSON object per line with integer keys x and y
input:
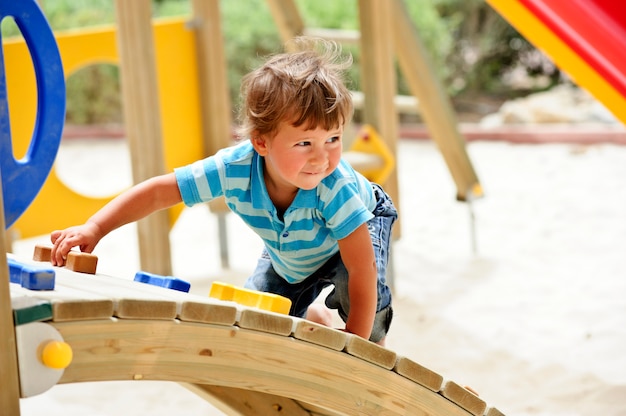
{"x": 28, "y": 309}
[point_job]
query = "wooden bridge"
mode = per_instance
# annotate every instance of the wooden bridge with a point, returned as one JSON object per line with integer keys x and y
{"x": 245, "y": 361}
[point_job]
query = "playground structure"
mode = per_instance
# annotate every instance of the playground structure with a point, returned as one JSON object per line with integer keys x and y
{"x": 74, "y": 311}
{"x": 187, "y": 98}
{"x": 130, "y": 328}
{"x": 144, "y": 130}
{"x": 244, "y": 360}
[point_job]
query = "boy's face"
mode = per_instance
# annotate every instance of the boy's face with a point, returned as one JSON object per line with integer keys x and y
{"x": 299, "y": 158}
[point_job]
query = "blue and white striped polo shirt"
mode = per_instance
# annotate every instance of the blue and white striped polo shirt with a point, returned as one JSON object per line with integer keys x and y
{"x": 306, "y": 237}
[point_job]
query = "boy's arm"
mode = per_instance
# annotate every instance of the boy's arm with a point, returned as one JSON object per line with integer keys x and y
{"x": 134, "y": 204}
{"x": 357, "y": 254}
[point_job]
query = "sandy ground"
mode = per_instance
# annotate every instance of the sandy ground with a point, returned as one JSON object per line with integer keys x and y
{"x": 534, "y": 319}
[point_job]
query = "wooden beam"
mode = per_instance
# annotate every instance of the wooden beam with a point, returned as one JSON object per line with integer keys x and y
{"x": 9, "y": 377}
{"x": 287, "y": 19}
{"x": 142, "y": 116}
{"x": 435, "y": 106}
{"x": 378, "y": 80}
{"x": 240, "y": 402}
{"x": 253, "y": 360}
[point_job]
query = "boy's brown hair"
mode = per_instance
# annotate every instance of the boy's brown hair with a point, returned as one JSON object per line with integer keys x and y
{"x": 303, "y": 88}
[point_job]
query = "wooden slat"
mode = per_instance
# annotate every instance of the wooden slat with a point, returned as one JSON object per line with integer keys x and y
{"x": 464, "y": 398}
{"x": 418, "y": 374}
{"x": 208, "y": 313}
{"x": 320, "y": 335}
{"x": 270, "y": 322}
{"x": 370, "y": 352}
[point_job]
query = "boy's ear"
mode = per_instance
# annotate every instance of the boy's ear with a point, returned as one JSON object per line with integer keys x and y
{"x": 259, "y": 143}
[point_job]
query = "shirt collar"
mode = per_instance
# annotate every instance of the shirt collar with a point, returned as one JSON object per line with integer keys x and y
{"x": 260, "y": 198}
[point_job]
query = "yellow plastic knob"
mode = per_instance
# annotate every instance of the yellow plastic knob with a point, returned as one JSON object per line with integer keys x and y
{"x": 57, "y": 355}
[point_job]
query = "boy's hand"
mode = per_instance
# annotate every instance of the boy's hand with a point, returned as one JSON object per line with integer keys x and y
{"x": 84, "y": 236}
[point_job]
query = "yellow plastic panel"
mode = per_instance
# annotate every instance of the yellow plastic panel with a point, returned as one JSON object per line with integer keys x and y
{"x": 57, "y": 206}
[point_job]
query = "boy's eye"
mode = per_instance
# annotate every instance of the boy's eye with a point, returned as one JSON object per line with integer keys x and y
{"x": 333, "y": 139}
{"x": 303, "y": 143}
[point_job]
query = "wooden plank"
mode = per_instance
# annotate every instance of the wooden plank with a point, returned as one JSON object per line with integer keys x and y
{"x": 208, "y": 313}
{"x": 464, "y": 398}
{"x": 241, "y": 402}
{"x": 270, "y": 322}
{"x": 418, "y": 374}
{"x": 435, "y": 106}
{"x": 142, "y": 117}
{"x": 320, "y": 335}
{"x": 370, "y": 352}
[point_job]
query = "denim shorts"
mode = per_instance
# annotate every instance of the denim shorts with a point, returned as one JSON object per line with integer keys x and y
{"x": 334, "y": 273}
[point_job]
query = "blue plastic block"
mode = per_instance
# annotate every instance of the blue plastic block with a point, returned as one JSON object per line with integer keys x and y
{"x": 31, "y": 277}
{"x": 37, "y": 278}
{"x": 167, "y": 282}
{"x": 15, "y": 271}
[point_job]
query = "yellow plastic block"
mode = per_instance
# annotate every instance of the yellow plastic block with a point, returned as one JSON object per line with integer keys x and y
{"x": 222, "y": 291}
{"x": 266, "y": 301}
{"x": 368, "y": 141}
{"x": 275, "y": 303}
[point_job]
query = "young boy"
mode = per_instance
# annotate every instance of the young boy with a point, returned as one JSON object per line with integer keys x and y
{"x": 322, "y": 222}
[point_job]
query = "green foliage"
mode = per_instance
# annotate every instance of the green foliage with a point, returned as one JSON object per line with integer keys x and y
{"x": 94, "y": 95}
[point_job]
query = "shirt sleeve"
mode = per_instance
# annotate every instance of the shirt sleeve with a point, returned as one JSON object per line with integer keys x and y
{"x": 200, "y": 181}
{"x": 348, "y": 204}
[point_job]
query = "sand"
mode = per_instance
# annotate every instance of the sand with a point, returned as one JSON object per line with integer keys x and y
{"x": 533, "y": 316}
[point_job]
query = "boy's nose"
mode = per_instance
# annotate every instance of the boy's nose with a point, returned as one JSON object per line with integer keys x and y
{"x": 318, "y": 157}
